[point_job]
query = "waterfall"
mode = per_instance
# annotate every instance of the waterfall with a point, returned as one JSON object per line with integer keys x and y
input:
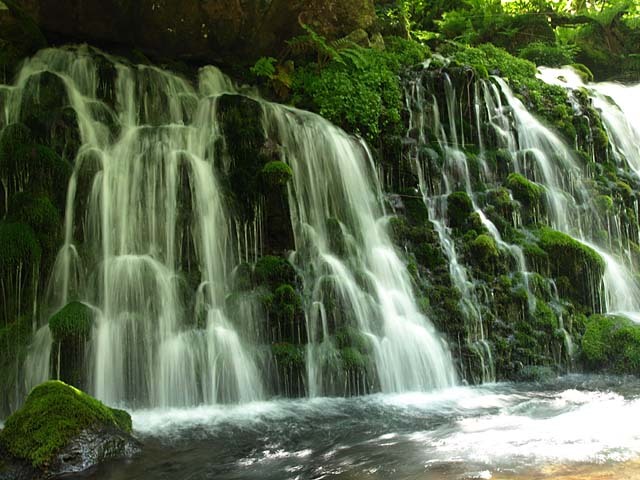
{"x": 151, "y": 244}
{"x": 460, "y": 124}
{"x": 333, "y": 175}
{"x": 619, "y": 110}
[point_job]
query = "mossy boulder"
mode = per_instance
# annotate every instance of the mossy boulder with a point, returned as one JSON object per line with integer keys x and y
{"x": 276, "y": 174}
{"x": 273, "y": 271}
{"x": 524, "y": 190}
{"x": 74, "y": 320}
{"x": 39, "y": 213}
{"x": 484, "y": 252}
{"x": 611, "y": 343}
{"x": 60, "y": 429}
{"x": 577, "y": 268}
{"x": 459, "y": 208}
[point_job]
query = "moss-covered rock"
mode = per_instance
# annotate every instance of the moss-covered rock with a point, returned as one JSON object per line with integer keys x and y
{"x": 42, "y": 216}
{"x": 579, "y": 264}
{"x": 611, "y": 343}
{"x": 72, "y": 321}
{"x": 276, "y": 174}
{"x": 54, "y": 417}
{"x": 288, "y": 355}
{"x": 274, "y": 271}
{"x": 524, "y": 190}
{"x": 459, "y": 207}
{"x": 44, "y": 98}
{"x": 352, "y": 359}
{"x": 484, "y": 252}
{"x": 286, "y": 304}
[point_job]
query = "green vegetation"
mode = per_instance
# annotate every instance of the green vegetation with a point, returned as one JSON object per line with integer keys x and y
{"x": 277, "y": 174}
{"x": 73, "y": 321}
{"x": 525, "y": 191}
{"x": 459, "y": 208}
{"x": 611, "y": 343}
{"x": 274, "y": 271}
{"x": 484, "y": 252}
{"x": 577, "y": 268}
{"x": 288, "y": 355}
{"x": 51, "y": 416}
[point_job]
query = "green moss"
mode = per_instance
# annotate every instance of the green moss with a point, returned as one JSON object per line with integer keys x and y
{"x": 583, "y": 71}
{"x": 14, "y": 340}
{"x": 74, "y": 320}
{"x": 352, "y": 359}
{"x": 276, "y": 174}
{"x": 241, "y": 123}
{"x": 273, "y": 271}
{"x": 459, "y": 207}
{"x": 286, "y": 303}
{"x": 580, "y": 264}
{"x": 19, "y": 247}
{"x": 525, "y": 191}
{"x": 414, "y": 208}
{"x": 41, "y": 215}
{"x": 558, "y": 243}
{"x": 548, "y": 55}
{"x": 51, "y": 416}
{"x": 20, "y": 255}
{"x": 13, "y": 138}
{"x": 604, "y": 203}
{"x": 611, "y": 343}
{"x": 349, "y": 337}
{"x": 358, "y": 88}
{"x": 484, "y": 251}
{"x": 44, "y": 99}
{"x": 288, "y": 355}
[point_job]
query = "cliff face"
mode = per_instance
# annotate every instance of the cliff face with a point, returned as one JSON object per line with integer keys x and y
{"x": 206, "y": 30}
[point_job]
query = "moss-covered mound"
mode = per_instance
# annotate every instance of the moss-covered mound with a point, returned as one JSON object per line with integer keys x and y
{"x": 577, "y": 268}
{"x": 73, "y": 320}
{"x": 276, "y": 174}
{"x": 611, "y": 343}
{"x": 524, "y": 190}
{"x": 53, "y": 414}
{"x": 459, "y": 208}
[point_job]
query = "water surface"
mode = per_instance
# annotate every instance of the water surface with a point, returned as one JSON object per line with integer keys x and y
{"x": 575, "y": 427}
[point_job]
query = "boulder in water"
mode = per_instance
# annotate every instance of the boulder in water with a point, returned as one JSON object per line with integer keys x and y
{"x": 61, "y": 429}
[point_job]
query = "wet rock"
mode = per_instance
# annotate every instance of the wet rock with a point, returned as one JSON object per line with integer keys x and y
{"x": 62, "y": 430}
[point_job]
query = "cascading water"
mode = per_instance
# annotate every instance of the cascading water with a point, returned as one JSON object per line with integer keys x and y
{"x": 332, "y": 177}
{"x": 459, "y": 126}
{"x": 618, "y": 107}
{"x": 151, "y": 244}
{"x": 148, "y": 346}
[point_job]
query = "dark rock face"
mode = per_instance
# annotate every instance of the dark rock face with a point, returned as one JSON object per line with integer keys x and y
{"x": 92, "y": 447}
{"x": 12, "y": 468}
{"x": 86, "y": 450}
{"x": 209, "y": 30}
